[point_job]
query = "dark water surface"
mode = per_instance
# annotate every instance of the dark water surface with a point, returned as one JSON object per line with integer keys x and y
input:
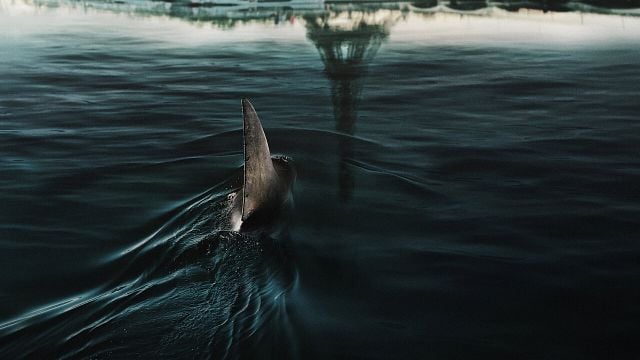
{"x": 468, "y": 182}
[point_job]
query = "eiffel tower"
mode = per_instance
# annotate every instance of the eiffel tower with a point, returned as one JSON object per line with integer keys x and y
{"x": 347, "y": 42}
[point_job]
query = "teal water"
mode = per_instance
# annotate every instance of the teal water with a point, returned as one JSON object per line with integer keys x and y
{"x": 467, "y": 180}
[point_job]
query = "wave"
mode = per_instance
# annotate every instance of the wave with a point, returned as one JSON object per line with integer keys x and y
{"x": 191, "y": 285}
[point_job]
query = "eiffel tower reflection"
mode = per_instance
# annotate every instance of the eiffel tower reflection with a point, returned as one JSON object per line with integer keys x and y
{"x": 347, "y": 42}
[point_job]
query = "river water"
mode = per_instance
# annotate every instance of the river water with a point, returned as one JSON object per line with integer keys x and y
{"x": 468, "y": 181}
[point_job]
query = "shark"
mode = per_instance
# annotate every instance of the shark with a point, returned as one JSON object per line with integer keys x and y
{"x": 266, "y": 191}
{"x": 210, "y": 282}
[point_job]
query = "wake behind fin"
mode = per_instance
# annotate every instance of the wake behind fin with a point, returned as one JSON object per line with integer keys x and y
{"x": 259, "y": 173}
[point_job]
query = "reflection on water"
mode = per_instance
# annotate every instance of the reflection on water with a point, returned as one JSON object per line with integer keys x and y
{"x": 227, "y": 13}
{"x": 347, "y": 42}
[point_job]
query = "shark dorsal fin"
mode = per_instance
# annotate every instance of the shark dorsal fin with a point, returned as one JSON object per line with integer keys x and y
{"x": 259, "y": 173}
